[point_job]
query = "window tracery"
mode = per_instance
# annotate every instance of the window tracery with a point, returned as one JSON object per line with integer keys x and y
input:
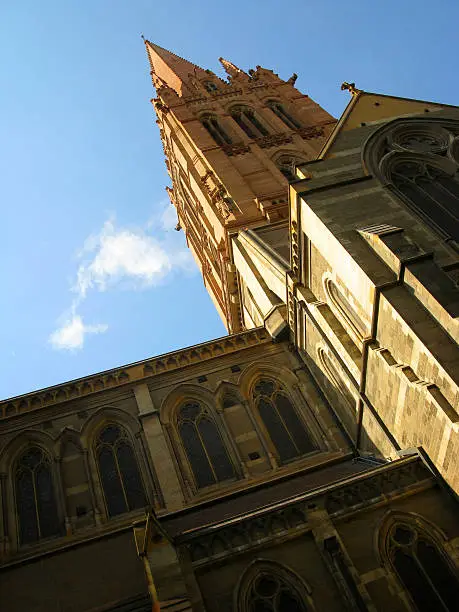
{"x": 283, "y": 114}
{"x": 119, "y": 472}
{"x": 419, "y": 161}
{"x": 422, "y": 567}
{"x": 36, "y": 504}
{"x": 203, "y": 444}
{"x": 285, "y": 428}
{"x": 212, "y": 125}
{"x": 247, "y": 120}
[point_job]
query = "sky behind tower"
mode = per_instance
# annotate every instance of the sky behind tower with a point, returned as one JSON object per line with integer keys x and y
{"x": 93, "y": 274}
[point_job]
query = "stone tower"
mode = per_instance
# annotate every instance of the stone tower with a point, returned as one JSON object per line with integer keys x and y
{"x": 231, "y": 147}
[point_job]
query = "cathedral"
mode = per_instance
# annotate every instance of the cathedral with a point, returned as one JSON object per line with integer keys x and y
{"x": 308, "y": 460}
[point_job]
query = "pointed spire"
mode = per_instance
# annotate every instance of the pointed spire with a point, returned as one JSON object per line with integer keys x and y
{"x": 231, "y": 69}
{"x": 171, "y": 70}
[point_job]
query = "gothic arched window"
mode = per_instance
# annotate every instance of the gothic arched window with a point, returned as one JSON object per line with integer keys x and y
{"x": 285, "y": 428}
{"x": 212, "y": 125}
{"x": 204, "y": 446}
{"x": 432, "y": 191}
{"x": 36, "y": 505}
{"x": 285, "y": 116}
{"x": 267, "y": 586}
{"x": 248, "y": 121}
{"x": 419, "y": 161}
{"x": 119, "y": 472}
{"x": 423, "y": 568}
{"x": 210, "y": 86}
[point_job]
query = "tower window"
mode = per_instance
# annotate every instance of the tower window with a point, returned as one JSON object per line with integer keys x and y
{"x": 210, "y": 86}
{"x": 285, "y": 428}
{"x": 203, "y": 444}
{"x": 36, "y": 505}
{"x": 215, "y": 130}
{"x": 248, "y": 121}
{"x": 280, "y": 111}
{"x": 119, "y": 473}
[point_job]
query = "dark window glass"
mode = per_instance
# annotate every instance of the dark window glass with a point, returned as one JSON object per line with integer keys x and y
{"x": 280, "y": 111}
{"x": 285, "y": 428}
{"x": 423, "y": 569}
{"x": 272, "y": 593}
{"x": 203, "y": 445}
{"x": 35, "y": 497}
{"x": 216, "y": 131}
{"x": 293, "y": 424}
{"x": 276, "y": 430}
{"x": 432, "y": 192}
{"x": 119, "y": 472}
{"x": 216, "y": 450}
{"x": 249, "y": 122}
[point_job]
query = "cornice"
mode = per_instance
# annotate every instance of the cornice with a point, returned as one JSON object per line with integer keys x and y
{"x": 135, "y": 372}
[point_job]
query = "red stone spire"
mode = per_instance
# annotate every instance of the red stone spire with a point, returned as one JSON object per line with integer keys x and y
{"x": 170, "y": 69}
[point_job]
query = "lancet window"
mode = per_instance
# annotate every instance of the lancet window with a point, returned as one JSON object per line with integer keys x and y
{"x": 36, "y": 505}
{"x": 204, "y": 447}
{"x": 423, "y": 568}
{"x": 285, "y": 428}
{"x": 283, "y": 114}
{"x": 119, "y": 472}
{"x": 212, "y": 125}
{"x": 248, "y": 121}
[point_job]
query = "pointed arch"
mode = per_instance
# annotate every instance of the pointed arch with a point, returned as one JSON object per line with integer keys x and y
{"x": 269, "y": 391}
{"x": 272, "y": 587}
{"x": 35, "y": 495}
{"x": 284, "y": 115}
{"x": 417, "y": 160}
{"x": 204, "y": 450}
{"x": 414, "y": 551}
{"x": 213, "y": 125}
{"x": 248, "y": 121}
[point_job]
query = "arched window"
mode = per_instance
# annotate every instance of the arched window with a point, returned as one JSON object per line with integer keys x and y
{"x": 280, "y": 111}
{"x": 419, "y": 161}
{"x": 36, "y": 506}
{"x": 336, "y": 378}
{"x": 119, "y": 472}
{"x": 203, "y": 444}
{"x": 422, "y": 567}
{"x": 267, "y": 586}
{"x": 286, "y": 164}
{"x": 215, "y": 130}
{"x": 343, "y": 307}
{"x": 432, "y": 191}
{"x": 210, "y": 86}
{"x": 248, "y": 121}
{"x": 285, "y": 428}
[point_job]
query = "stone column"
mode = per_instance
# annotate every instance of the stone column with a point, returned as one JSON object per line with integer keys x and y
{"x": 4, "y": 533}
{"x": 347, "y": 579}
{"x": 158, "y": 449}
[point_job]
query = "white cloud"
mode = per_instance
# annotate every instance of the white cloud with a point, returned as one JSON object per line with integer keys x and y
{"x": 122, "y": 257}
{"x": 71, "y": 334}
{"x": 124, "y": 254}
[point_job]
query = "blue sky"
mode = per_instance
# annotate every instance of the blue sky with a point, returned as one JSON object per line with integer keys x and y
{"x": 93, "y": 275}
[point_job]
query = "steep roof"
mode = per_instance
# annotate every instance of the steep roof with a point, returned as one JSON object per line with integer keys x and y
{"x": 171, "y": 69}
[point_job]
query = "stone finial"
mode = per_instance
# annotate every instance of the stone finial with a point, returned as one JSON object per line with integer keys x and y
{"x": 352, "y": 89}
{"x": 292, "y": 79}
{"x": 231, "y": 69}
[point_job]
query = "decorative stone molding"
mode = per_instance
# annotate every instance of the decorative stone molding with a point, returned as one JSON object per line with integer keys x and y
{"x": 274, "y": 140}
{"x": 308, "y": 133}
{"x": 131, "y": 373}
{"x": 238, "y": 148}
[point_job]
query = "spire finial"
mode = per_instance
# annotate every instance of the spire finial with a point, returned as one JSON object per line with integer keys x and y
{"x": 231, "y": 69}
{"x": 351, "y": 88}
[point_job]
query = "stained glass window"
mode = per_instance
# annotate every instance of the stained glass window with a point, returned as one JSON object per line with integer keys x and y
{"x": 35, "y": 497}
{"x": 285, "y": 428}
{"x": 423, "y": 569}
{"x": 272, "y": 593}
{"x": 204, "y": 446}
{"x": 119, "y": 472}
